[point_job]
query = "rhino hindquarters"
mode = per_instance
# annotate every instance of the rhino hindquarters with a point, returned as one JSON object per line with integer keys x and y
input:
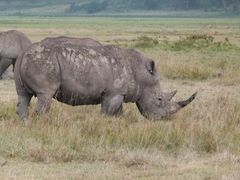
{"x": 43, "y": 81}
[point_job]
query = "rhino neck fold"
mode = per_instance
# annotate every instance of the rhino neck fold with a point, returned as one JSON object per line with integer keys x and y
{"x": 134, "y": 88}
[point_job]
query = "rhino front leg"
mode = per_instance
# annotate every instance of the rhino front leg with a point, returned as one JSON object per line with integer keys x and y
{"x": 112, "y": 105}
{"x": 22, "y": 105}
{"x": 43, "y": 104}
{"x": 4, "y": 64}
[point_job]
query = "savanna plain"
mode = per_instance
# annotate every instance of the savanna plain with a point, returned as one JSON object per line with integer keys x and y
{"x": 201, "y": 141}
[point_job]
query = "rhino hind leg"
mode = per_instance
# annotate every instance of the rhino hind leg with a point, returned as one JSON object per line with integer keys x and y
{"x": 112, "y": 106}
{"x": 22, "y": 106}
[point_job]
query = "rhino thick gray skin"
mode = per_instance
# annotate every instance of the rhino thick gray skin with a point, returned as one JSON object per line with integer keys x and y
{"x": 12, "y": 44}
{"x": 50, "y": 42}
{"x": 81, "y": 75}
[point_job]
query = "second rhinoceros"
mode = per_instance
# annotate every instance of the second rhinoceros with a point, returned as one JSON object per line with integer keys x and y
{"x": 83, "y": 75}
{"x": 12, "y": 44}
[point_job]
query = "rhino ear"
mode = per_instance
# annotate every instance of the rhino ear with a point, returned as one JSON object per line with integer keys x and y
{"x": 151, "y": 67}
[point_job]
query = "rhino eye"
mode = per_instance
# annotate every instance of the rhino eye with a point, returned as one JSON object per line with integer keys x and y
{"x": 159, "y": 101}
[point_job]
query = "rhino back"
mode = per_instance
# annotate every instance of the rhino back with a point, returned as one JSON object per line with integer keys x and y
{"x": 92, "y": 71}
{"x": 63, "y": 40}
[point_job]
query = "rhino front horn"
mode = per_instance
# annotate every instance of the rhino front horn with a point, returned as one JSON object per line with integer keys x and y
{"x": 186, "y": 102}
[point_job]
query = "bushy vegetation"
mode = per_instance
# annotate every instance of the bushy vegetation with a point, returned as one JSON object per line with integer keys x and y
{"x": 200, "y": 41}
{"x": 191, "y": 42}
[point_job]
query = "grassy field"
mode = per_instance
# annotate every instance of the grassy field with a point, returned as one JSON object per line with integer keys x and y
{"x": 200, "y": 142}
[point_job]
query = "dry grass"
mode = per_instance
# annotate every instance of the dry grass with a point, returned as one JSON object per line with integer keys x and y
{"x": 200, "y": 142}
{"x": 160, "y": 166}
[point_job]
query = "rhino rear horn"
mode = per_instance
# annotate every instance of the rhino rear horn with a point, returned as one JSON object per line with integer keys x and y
{"x": 170, "y": 95}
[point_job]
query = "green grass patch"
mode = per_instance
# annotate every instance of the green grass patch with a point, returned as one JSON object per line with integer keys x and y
{"x": 189, "y": 43}
{"x": 199, "y": 42}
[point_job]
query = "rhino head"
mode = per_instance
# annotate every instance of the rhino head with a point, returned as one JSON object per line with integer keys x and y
{"x": 152, "y": 102}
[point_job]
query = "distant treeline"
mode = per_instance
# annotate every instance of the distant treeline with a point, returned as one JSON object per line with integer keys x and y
{"x": 121, "y": 5}
{"x": 95, "y": 6}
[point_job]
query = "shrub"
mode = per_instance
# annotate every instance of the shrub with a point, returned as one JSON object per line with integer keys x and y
{"x": 198, "y": 42}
